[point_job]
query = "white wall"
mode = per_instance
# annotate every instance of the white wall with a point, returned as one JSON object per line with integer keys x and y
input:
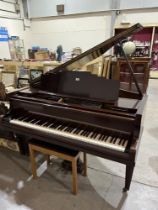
{"x": 47, "y": 8}
{"x": 145, "y": 17}
{"x": 70, "y": 32}
{"x": 84, "y": 31}
{"x": 15, "y": 25}
{"x": 125, "y": 4}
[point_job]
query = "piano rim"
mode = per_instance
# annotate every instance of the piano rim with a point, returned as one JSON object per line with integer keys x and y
{"x": 99, "y": 112}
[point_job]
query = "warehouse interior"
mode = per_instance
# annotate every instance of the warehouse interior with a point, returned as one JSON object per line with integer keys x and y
{"x": 78, "y": 98}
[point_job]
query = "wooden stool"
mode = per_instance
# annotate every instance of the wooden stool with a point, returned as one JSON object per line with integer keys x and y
{"x": 60, "y": 152}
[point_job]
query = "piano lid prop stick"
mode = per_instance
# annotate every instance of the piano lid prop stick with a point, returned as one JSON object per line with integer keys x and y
{"x": 131, "y": 70}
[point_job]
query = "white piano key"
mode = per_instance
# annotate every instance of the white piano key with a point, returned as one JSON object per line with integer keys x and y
{"x": 45, "y": 123}
{"x": 25, "y": 118}
{"x": 117, "y": 141}
{"x": 125, "y": 145}
{"x": 109, "y": 139}
{"x": 37, "y": 122}
{"x": 58, "y": 127}
{"x": 79, "y": 134}
{"x": 19, "y": 118}
{"x": 97, "y": 137}
{"x": 91, "y": 133}
{"x": 31, "y": 121}
{"x": 50, "y": 125}
{"x": 73, "y": 130}
{"x": 105, "y": 138}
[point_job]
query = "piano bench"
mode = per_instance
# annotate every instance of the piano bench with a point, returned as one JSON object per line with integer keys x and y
{"x": 60, "y": 152}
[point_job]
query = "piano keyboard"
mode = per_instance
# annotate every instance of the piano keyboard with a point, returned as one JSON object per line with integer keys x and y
{"x": 73, "y": 131}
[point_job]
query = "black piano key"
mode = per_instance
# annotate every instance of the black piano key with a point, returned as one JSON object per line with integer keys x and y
{"x": 93, "y": 131}
{"x": 41, "y": 122}
{"x": 123, "y": 142}
{"x": 83, "y": 132}
{"x": 114, "y": 140}
{"x": 59, "y": 128}
{"x": 32, "y": 121}
{"x": 97, "y": 137}
{"x": 56, "y": 125}
{"x": 75, "y": 130}
{"x": 70, "y": 129}
{"x": 52, "y": 125}
{"x": 105, "y": 138}
{"x": 47, "y": 124}
{"x": 78, "y": 130}
{"x": 91, "y": 134}
{"x": 76, "y": 127}
{"x": 120, "y": 141}
{"x": 102, "y": 137}
{"x": 87, "y": 133}
{"x": 95, "y": 134}
{"x": 25, "y": 119}
{"x": 21, "y": 117}
{"x": 67, "y": 126}
{"x": 62, "y": 127}
{"x": 67, "y": 129}
{"x": 36, "y": 122}
{"x": 28, "y": 118}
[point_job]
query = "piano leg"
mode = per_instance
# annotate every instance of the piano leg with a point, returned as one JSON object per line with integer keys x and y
{"x": 128, "y": 178}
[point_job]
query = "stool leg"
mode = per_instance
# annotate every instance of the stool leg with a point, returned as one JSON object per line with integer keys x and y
{"x": 48, "y": 159}
{"x": 74, "y": 176}
{"x": 85, "y": 164}
{"x": 33, "y": 162}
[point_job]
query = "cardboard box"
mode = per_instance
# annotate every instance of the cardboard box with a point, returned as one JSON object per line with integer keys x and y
{"x": 12, "y": 145}
{"x": 42, "y": 55}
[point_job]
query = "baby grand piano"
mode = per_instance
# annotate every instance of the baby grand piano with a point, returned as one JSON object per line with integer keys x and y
{"x": 81, "y": 111}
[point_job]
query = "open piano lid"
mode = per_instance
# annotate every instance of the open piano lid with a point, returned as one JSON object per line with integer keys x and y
{"x": 53, "y": 82}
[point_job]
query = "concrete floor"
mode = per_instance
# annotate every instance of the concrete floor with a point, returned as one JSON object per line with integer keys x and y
{"x": 52, "y": 191}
